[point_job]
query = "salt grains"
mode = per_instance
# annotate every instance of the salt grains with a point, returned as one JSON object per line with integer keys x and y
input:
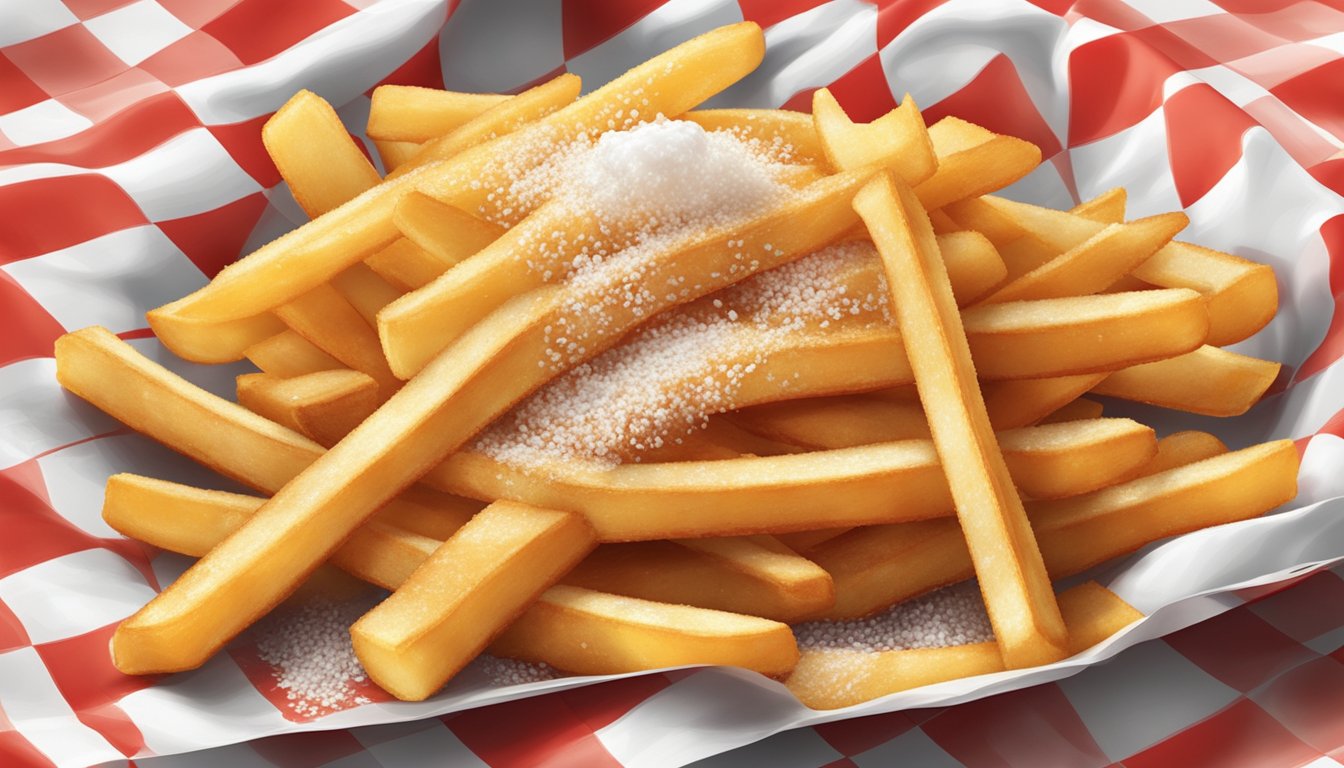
{"x": 953, "y": 615}
{"x": 308, "y": 647}
{"x": 677, "y": 371}
{"x": 672, "y": 173}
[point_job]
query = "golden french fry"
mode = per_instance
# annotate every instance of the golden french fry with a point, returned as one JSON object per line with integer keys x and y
{"x": 1091, "y": 529}
{"x": 879, "y": 566}
{"x": 973, "y": 265}
{"x": 944, "y": 224}
{"x": 719, "y": 439}
{"x": 1108, "y": 207}
{"x": 215, "y": 324}
{"x": 1209, "y": 380}
{"x": 898, "y": 141}
{"x": 1017, "y": 592}
{"x": 192, "y": 521}
{"x": 326, "y": 319}
{"x": 1026, "y": 401}
{"x": 834, "y": 678}
{"x": 323, "y": 406}
{"x": 448, "y": 233}
{"x": 1242, "y": 295}
{"x": 1181, "y": 448}
{"x": 366, "y": 291}
{"x": 802, "y": 541}
{"x": 754, "y": 575}
{"x": 791, "y": 132}
{"x": 834, "y": 422}
{"x": 420, "y": 324}
{"x": 886, "y": 482}
{"x": 1095, "y": 263}
{"x": 465, "y": 594}
{"x": 1084, "y": 334}
{"x": 288, "y": 354}
{"x": 395, "y": 154}
{"x": 315, "y": 154}
{"x": 1079, "y": 409}
{"x": 405, "y": 265}
{"x": 408, "y": 113}
{"x": 500, "y": 119}
{"x": 107, "y": 372}
{"x": 625, "y": 634}
{"x": 973, "y": 161}
{"x": 980, "y": 215}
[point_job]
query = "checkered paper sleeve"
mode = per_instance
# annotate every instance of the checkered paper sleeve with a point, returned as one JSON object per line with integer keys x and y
{"x": 132, "y": 171}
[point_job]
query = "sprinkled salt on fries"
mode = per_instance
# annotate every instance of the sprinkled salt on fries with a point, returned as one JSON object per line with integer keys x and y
{"x": 609, "y": 383}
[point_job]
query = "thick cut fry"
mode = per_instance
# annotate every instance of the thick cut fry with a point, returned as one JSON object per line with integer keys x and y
{"x": 943, "y": 224}
{"x": 192, "y": 521}
{"x": 849, "y": 486}
{"x": 448, "y": 233}
{"x": 1084, "y": 334}
{"x": 324, "y": 317}
{"x": 366, "y": 291}
{"x": 107, "y": 372}
{"x": 419, "y": 325}
{"x": 1017, "y": 592}
{"x": 503, "y": 118}
{"x": 216, "y": 323}
{"x": 897, "y": 141}
{"x": 406, "y": 265}
{"x": 1209, "y": 381}
{"x": 288, "y": 354}
{"x": 1079, "y": 409}
{"x": 324, "y": 168}
{"x": 1094, "y": 528}
{"x": 834, "y": 422}
{"x": 1026, "y": 401}
{"x": 981, "y": 215}
{"x": 1096, "y": 263}
{"x": 586, "y": 632}
{"x": 802, "y": 541}
{"x": 1181, "y": 448}
{"x": 1242, "y": 295}
{"x": 395, "y": 154}
{"x": 315, "y": 154}
{"x": 414, "y": 114}
{"x": 834, "y": 678}
{"x": 753, "y": 575}
{"x": 323, "y": 406}
{"x": 465, "y": 594}
{"x": 791, "y": 133}
{"x": 973, "y": 161}
{"x": 474, "y": 381}
{"x": 880, "y": 566}
{"x": 973, "y": 265}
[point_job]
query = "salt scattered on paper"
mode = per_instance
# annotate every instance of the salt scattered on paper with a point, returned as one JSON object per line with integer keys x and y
{"x": 309, "y": 649}
{"x": 950, "y": 616}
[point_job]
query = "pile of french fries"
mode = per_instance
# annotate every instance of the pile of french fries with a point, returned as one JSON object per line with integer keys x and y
{"x": 954, "y": 440}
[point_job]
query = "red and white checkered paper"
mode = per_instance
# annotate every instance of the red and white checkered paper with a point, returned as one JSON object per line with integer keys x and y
{"x": 131, "y": 171}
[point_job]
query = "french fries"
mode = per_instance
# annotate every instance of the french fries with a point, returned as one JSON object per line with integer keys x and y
{"x": 636, "y": 634}
{"x": 1018, "y": 597}
{"x": 898, "y": 140}
{"x": 778, "y": 494}
{"x": 1242, "y": 295}
{"x": 216, "y": 323}
{"x": 1209, "y": 380}
{"x": 323, "y": 406}
{"x": 406, "y": 113}
{"x": 834, "y": 678}
{"x": 662, "y": 453}
{"x": 753, "y": 575}
{"x": 879, "y": 566}
{"x": 465, "y": 594}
